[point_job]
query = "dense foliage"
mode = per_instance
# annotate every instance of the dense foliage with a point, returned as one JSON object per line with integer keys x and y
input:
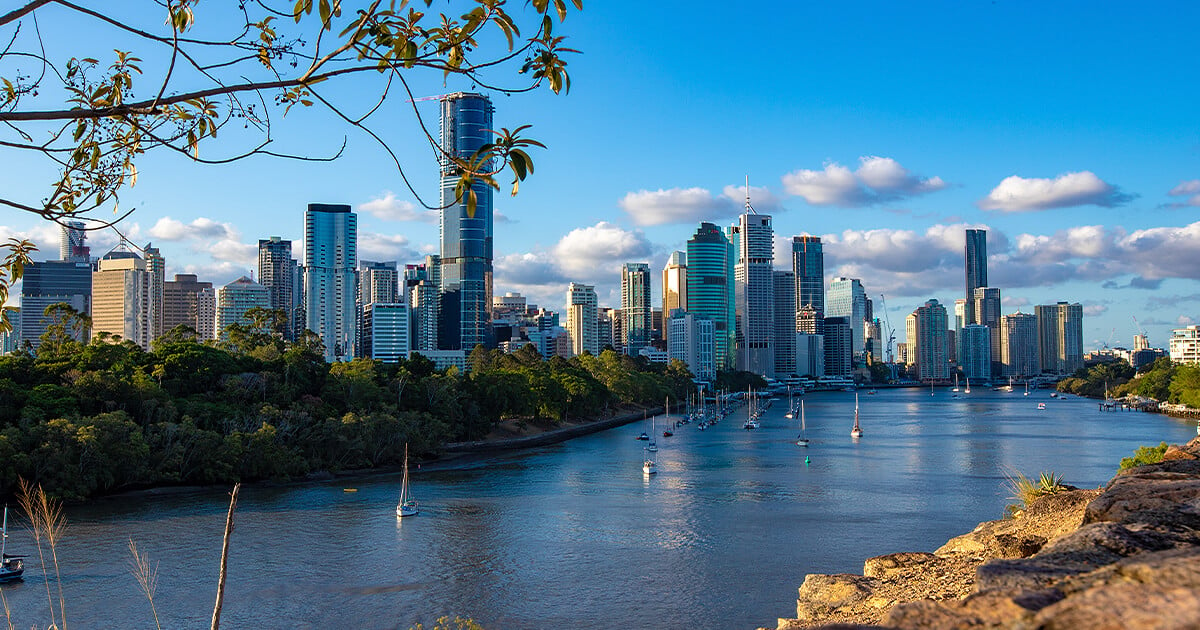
{"x": 86, "y": 419}
{"x": 1096, "y": 380}
{"x": 1144, "y": 455}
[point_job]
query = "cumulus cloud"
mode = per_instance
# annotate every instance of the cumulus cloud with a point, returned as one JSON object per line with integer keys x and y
{"x": 234, "y": 251}
{"x": 877, "y": 180}
{"x": 390, "y": 208}
{"x": 1015, "y": 302}
{"x": 168, "y": 229}
{"x": 692, "y": 205}
{"x": 1172, "y": 301}
{"x": 1184, "y": 320}
{"x": 1092, "y": 310}
{"x": 385, "y": 248}
{"x": 1189, "y": 189}
{"x": 1084, "y": 188}
{"x": 600, "y": 249}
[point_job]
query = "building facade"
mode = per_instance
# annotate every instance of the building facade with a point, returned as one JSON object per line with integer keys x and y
{"x": 237, "y": 297}
{"x": 466, "y": 232}
{"x": 1184, "y": 346}
{"x": 848, "y": 299}
{"x": 975, "y": 348}
{"x": 72, "y": 246}
{"x": 583, "y": 319}
{"x": 975, "y": 265}
{"x": 386, "y": 328}
{"x": 51, "y": 282}
{"x": 691, "y": 341}
{"x": 808, "y": 263}
{"x": 280, "y": 273}
{"x": 330, "y": 259}
{"x": 635, "y": 307}
{"x": 1060, "y": 337}
{"x": 1019, "y": 344}
{"x": 926, "y": 330}
{"x": 710, "y": 287}
{"x": 838, "y": 340}
{"x": 785, "y": 323}
{"x": 674, "y": 288}
{"x": 754, "y": 293}
{"x": 120, "y": 298}
{"x": 189, "y": 302}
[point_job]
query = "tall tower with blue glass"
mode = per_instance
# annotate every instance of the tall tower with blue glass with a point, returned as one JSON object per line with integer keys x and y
{"x": 466, "y": 236}
{"x": 710, "y": 287}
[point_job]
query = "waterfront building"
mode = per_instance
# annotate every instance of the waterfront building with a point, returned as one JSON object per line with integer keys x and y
{"x": 156, "y": 270}
{"x": 280, "y": 273}
{"x": 975, "y": 265}
{"x": 691, "y": 340}
{"x": 330, "y": 258}
{"x": 975, "y": 342}
{"x": 754, "y": 293}
{"x": 848, "y": 299}
{"x": 810, "y": 355}
{"x": 466, "y": 233}
{"x": 710, "y": 287}
{"x": 120, "y": 298}
{"x": 1184, "y": 345}
{"x": 583, "y": 319}
{"x": 189, "y": 302}
{"x": 987, "y": 312}
{"x": 386, "y": 331}
{"x": 1060, "y": 337}
{"x": 237, "y": 297}
{"x": 808, "y": 263}
{"x": 1019, "y": 344}
{"x": 838, "y": 339}
{"x": 635, "y": 307}
{"x": 785, "y": 323}
{"x": 674, "y": 288}
{"x": 72, "y": 245}
{"x": 926, "y": 330}
{"x": 50, "y": 282}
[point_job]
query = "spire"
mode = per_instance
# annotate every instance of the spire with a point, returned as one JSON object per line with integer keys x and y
{"x": 749, "y": 208}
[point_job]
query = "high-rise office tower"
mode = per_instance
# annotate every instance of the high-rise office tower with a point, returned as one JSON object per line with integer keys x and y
{"x": 183, "y": 305}
{"x": 1019, "y": 344}
{"x": 635, "y": 307}
{"x": 926, "y": 331}
{"x": 330, "y": 256}
{"x": 278, "y": 271}
{"x": 51, "y": 282}
{"x": 754, "y": 292}
{"x": 509, "y": 306}
{"x": 975, "y": 348}
{"x": 378, "y": 283}
{"x": 466, "y": 234}
{"x": 691, "y": 341}
{"x": 237, "y": 297}
{"x": 710, "y": 287}
{"x": 975, "y": 264}
{"x": 810, "y": 355}
{"x": 120, "y": 298}
{"x": 386, "y": 331}
{"x": 785, "y": 323}
{"x": 10, "y": 339}
{"x": 72, "y": 248}
{"x": 583, "y": 319}
{"x": 808, "y": 263}
{"x": 1060, "y": 337}
{"x": 987, "y": 312}
{"x": 838, "y": 346}
{"x": 156, "y": 271}
{"x": 848, "y": 299}
{"x": 674, "y": 289}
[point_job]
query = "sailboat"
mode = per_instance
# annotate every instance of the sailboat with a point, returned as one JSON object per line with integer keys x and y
{"x": 652, "y": 446}
{"x": 1026, "y": 388}
{"x": 856, "y": 432}
{"x": 407, "y": 506}
{"x": 955, "y": 382}
{"x": 931, "y": 393}
{"x": 667, "y": 414}
{"x": 803, "y": 441}
{"x": 11, "y": 567}
{"x": 968, "y": 388}
{"x": 649, "y": 467}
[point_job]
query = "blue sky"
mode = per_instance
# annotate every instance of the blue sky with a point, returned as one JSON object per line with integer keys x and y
{"x": 884, "y": 127}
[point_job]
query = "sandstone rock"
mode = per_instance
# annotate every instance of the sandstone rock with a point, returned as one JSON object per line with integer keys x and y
{"x": 982, "y": 610}
{"x": 821, "y": 595}
{"x": 1155, "y": 497}
{"x": 896, "y": 563}
{"x": 1174, "y": 452}
{"x": 1123, "y": 607}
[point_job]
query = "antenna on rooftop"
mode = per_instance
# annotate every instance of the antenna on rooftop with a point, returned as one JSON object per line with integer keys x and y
{"x": 749, "y": 208}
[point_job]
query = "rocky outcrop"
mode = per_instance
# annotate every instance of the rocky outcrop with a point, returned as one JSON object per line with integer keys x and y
{"x": 1126, "y": 556}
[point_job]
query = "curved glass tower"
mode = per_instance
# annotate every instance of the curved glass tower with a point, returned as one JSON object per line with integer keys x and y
{"x": 466, "y": 238}
{"x": 710, "y": 287}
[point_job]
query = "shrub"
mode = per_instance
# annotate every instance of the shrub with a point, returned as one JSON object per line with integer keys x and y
{"x": 1144, "y": 455}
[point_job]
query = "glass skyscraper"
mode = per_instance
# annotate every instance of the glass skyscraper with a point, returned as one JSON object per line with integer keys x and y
{"x": 466, "y": 236}
{"x": 975, "y": 264}
{"x": 754, "y": 293}
{"x": 330, "y": 256}
{"x": 848, "y": 299}
{"x": 710, "y": 287}
{"x": 635, "y": 307}
{"x": 808, "y": 263}
{"x": 277, "y": 271}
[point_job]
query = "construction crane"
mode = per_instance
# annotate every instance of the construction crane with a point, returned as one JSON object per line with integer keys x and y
{"x": 1138, "y": 330}
{"x": 890, "y": 333}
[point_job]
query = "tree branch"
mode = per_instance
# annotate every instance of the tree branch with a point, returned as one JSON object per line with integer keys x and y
{"x": 21, "y": 12}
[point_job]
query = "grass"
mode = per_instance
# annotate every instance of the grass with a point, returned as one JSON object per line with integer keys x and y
{"x": 1026, "y": 490}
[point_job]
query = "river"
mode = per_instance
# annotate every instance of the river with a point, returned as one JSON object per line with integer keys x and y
{"x": 573, "y": 535}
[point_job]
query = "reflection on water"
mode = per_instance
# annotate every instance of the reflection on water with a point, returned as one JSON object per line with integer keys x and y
{"x": 574, "y": 535}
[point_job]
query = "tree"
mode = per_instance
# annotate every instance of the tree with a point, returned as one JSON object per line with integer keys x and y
{"x": 236, "y": 68}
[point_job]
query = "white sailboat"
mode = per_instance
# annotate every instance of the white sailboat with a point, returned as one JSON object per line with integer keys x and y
{"x": 1026, "y": 388}
{"x": 649, "y": 466}
{"x": 803, "y": 441}
{"x": 856, "y": 432}
{"x": 407, "y": 506}
{"x": 955, "y": 382}
{"x": 11, "y": 567}
{"x": 931, "y": 393}
{"x": 652, "y": 446}
{"x": 968, "y": 388}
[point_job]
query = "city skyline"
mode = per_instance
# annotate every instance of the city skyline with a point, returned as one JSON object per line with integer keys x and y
{"x": 1087, "y": 191}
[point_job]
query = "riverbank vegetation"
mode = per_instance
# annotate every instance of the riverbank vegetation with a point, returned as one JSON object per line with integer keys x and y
{"x": 87, "y": 419}
{"x": 1162, "y": 380}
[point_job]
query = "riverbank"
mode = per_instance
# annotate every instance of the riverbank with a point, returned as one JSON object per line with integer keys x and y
{"x": 1123, "y": 556}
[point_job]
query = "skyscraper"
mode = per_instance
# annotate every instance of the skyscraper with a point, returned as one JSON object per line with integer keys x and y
{"x": 156, "y": 270}
{"x": 975, "y": 348}
{"x": 710, "y": 287}
{"x": 838, "y": 342}
{"x": 808, "y": 263}
{"x": 926, "y": 330}
{"x": 785, "y": 323}
{"x": 691, "y": 341}
{"x": 51, "y": 282}
{"x": 987, "y": 313}
{"x": 848, "y": 299}
{"x": 466, "y": 234}
{"x": 72, "y": 248}
{"x": 754, "y": 293}
{"x": 975, "y": 264}
{"x": 183, "y": 305}
{"x": 583, "y": 318}
{"x": 635, "y": 307}
{"x": 237, "y": 297}
{"x": 278, "y": 271}
{"x": 1019, "y": 344}
{"x": 1060, "y": 337}
{"x": 120, "y": 298}
{"x": 330, "y": 256}
{"x": 674, "y": 289}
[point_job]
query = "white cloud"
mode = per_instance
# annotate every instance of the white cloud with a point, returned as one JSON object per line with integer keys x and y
{"x": 233, "y": 251}
{"x": 877, "y": 180}
{"x": 385, "y": 248}
{"x": 390, "y": 208}
{"x": 692, "y": 205}
{"x": 1019, "y": 194}
{"x": 1092, "y": 310}
{"x": 1184, "y": 320}
{"x": 169, "y": 229}
{"x": 1190, "y": 189}
{"x": 587, "y": 253}
{"x": 1015, "y": 302}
